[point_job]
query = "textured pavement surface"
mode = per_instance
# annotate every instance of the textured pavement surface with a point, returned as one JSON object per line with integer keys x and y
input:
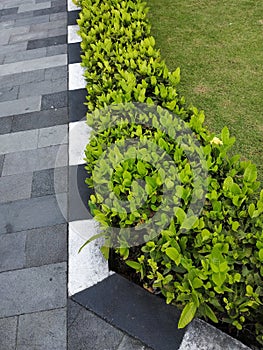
{"x": 35, "y": 312}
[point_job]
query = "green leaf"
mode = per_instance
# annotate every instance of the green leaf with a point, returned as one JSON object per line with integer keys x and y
{"x": 250, "y": 174}
{"x": 173, "y": 254}
{"x": 180, "y": 214}
{"x": 210, "y": 313}
{"x": 187, "y": 315}
{"x": 141, "y": 168}
{"x": 197, "y": 283}
{"x": 133, "y": 264}
{"x": 105, "y": 252}
{"x": 225, "y": 135}
{"x": 189, "y": 223}
{"x": 228, "y": 183}
{"x": 205, "y": 235}
{"x": 260, "y": 254}
{"x": 92, "y": 239}
{"x": 219, "y": 278}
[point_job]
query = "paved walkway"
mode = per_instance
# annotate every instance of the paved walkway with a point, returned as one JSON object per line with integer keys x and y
{"x": 34, "y": 187}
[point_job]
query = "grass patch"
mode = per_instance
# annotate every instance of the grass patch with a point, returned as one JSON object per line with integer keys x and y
{"x": 218, "y": 45}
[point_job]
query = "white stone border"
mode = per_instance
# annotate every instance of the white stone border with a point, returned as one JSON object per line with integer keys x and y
{"x": 72, "y": 6}
{"x": 76, "y": 79}
{"x": 73, "y": 36}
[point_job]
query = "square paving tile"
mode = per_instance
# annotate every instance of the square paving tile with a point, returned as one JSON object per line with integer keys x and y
{"x": 42, "y": 331}
{"x": 32, "y": 290}
{"x": 8, "y": 333}
{"x": 46, "y": 245}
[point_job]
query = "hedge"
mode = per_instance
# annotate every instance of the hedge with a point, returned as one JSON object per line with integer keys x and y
{"x": 153, "y": 162}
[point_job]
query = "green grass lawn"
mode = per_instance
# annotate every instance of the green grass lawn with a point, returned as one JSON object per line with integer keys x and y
{"x": 218, "y": 44}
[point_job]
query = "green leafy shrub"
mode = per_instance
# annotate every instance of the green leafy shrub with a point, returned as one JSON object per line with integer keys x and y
{"x": 144, "y": 170}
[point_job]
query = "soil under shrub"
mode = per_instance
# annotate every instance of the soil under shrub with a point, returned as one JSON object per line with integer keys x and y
{"x": 117, "y": 264}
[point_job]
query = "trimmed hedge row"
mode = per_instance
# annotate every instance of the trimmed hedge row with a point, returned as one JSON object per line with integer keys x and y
{"x": 207, "y": 263}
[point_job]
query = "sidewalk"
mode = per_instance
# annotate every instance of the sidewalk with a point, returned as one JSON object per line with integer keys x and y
{"x": 34, "y": 152}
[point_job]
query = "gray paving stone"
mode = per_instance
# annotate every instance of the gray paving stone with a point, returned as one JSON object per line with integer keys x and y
{"x": 46, "y": 245}
{"x": 17, "y": 142}
{"x": 13, "y": 3}
{"x": 100, "y": 334}
{"x": 52, "y": 136}
{"x": 15, "y": 30}
{"x": 2, "y": 58}
{"x": 56, "y": 32}
{"x": 58, "y": 16}
{"x": 73, "y": 309}
{"x": 26, "y": 55}
{"x": 27, "y": 36}
{"x": 48, "y": 41}
{"x": 21, "y": 106}
{"x": 4, "y": 38}
{"x": 49, "y": 25}
{"x": 32, "y": 213}
{"x": 8, "y": 94}
{"x": 21, "y": 78}
{"x": 53, "y": 9}
{"x": 8, "y": 328}
{"x": 43, "y": 87}
{"x": 56, "y": 50}
{"x": 35, "y": 64}
{"x": 49, "y": 181}
{"x": 56, "y": 73}
{"x": 7, "y": 24}
{"x": 31, "y": 20}
{"x": 56, "y": 100}
{"x": 5, "y": 125}
{"x": 34, "y": 160}
{"x": 17, "y": 16}
{"x": 12, "y": 251}
{"x": 2, "y": 157}
{"x": 9, "y": 11}
{"x": 33, "y": 289}
{"x": 18, "y": 47}
{"x": 37, "y": 120}
{"x": 31, "y": 7}
{"x": 49, "y": 331}
{"x": 15, "y": 187}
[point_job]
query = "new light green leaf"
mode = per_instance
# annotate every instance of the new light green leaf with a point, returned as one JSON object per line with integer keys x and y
{"x": 173, "y": 254}
{"x": 187, "y": 315}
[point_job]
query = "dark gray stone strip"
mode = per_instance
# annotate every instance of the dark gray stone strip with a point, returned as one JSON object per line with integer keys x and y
{"x": 5, "y": 125}
{"x": 52, "y": 41}
{"x": 74, "y": 52}
{"x": 37, "y": 120}
{"x": 72, "y": 17}
{"x": 49, "y": 11}
{"x": 9, "y": 11}
{"x": 43, "y": 182}
{"x": 77, "y": 109}
{"x": 137, "y": 312}
{"x": 56, "y": 100}
{"x": 79, "y": 194}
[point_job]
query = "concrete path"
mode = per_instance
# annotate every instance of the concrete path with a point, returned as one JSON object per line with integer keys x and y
{"x": 34, "y": 187}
